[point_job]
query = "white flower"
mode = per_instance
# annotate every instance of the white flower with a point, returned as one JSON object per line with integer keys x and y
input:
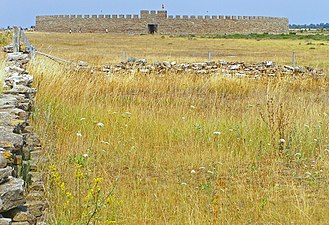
{"x": 82, "y": 119}
{"x": 79, "y": 134}
{"x": 105, "y": 142}
{"x": 85, "y": 155}
{"x": 216, "y": 133}
{"x": 282, "y": 140}
{"x": 193, "y": 172}
{"x": 183, "y": 183}
{"x": 100, "y": 124}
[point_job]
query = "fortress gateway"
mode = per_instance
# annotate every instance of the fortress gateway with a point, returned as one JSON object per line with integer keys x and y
{"x": 159, "y": 21}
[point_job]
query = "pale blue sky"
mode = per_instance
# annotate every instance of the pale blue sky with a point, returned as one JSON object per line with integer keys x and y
{"x": 23, "y": 12}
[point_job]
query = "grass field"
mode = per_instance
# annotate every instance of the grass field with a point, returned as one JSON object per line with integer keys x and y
{"x": 178, "y": 149}
{"x": 100, "y": 49}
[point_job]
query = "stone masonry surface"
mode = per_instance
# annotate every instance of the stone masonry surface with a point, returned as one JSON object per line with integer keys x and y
{"x": 21, "y": 185}
{"x": 138, "y": 24}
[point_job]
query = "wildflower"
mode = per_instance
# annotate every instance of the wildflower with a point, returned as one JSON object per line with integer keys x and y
{"x": 192, "y": 107}
{"x": 79, "y": 134}
{"x": 63, "y": 186}
{"x": 82, "y": 119}
{"x": 98, "y": 180}
{"x": 298, "y": 155}
{"x": 85, "y": 155}
{"x": 282, "y": 140}
{"x": 308, "y": 174}
{"x": 216, "y": 133}
{"x": 183, "y": 183}
{"x": 193, "y": 171}
{"x": 105, "y": 142}
{"x": 100, "y": 124}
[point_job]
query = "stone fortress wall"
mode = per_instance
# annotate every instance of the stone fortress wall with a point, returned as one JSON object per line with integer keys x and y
{"x": 139, "y": 24}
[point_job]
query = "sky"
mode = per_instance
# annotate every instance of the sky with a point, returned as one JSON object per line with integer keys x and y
{"x": 23, "y": 12}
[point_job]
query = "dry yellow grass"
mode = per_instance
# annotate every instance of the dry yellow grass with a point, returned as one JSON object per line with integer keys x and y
{"x": 180, "y": 149}
{"x": 100, "y": 49}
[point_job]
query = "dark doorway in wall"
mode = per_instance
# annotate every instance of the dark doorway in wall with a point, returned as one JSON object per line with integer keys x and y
{"x": 153, "y": 28}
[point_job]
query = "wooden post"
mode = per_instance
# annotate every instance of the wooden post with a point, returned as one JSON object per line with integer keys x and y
{"x": 29, "y": 47}
{"x": 123, "y": 58}
{"x": 293, "y": 59}
{"x": 16, "y": 38}
{"x": 209, "y": 56}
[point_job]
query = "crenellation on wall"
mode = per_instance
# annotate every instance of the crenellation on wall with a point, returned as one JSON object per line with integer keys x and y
{"x": 162, "y": 14}
{"x": 144, "y": 14}
{"x": 167, "y": 24}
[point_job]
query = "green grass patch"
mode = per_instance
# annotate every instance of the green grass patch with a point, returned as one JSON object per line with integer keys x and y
{"x": 266, "y": 36}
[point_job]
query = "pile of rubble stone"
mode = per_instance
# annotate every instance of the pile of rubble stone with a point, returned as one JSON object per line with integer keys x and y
{"x": 227, "y": 69}
{"x": 21, "y": 186}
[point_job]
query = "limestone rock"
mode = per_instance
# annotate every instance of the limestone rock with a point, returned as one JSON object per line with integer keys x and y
{"x": 11, "y": 194}
{"x": 9, "y": 140}
{"x": 8, "y": 48}
{"x": 19, "y": 79}
{"x": 5, "y": 173}
{"x": 5, "y": 221}
{"x": 21, "y": 214}
{"x": 20, "y": 223}
{"x": 3, "y": 161}
{"x": 37, "y": 207}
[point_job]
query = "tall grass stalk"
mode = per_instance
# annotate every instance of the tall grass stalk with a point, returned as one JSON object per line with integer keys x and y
{"x": 182, "y": 149}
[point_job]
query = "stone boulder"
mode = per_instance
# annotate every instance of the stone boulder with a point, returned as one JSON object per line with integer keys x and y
{"x": 11, "y": 194}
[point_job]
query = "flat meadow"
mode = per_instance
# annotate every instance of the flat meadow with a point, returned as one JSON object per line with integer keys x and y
{"x": 182, "y": 148}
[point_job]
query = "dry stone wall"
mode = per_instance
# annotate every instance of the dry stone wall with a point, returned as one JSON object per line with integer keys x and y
{"x": 138, "y": 24}
{"x": 225, "y": 69}
{"x": 21, "y": 184}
